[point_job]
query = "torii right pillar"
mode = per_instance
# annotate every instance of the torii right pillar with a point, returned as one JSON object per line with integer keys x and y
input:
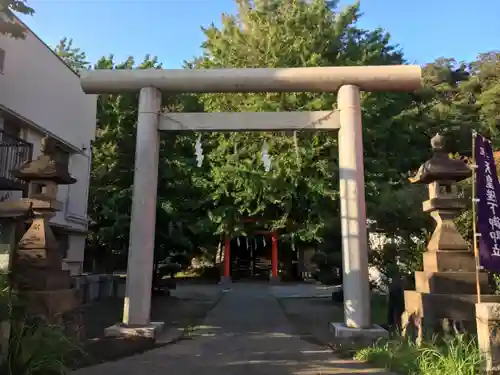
{"x": 357, "y": 310}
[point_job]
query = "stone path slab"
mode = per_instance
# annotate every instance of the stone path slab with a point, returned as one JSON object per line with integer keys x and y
{"x": 247, "y": 333}
{"x": 303, "y": 290}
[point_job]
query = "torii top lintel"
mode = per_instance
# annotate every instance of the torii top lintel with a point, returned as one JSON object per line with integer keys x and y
{"x": 397, "y": 78}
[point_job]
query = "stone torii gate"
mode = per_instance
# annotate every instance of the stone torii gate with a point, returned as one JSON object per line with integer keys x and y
{"x": 346, "y": 119}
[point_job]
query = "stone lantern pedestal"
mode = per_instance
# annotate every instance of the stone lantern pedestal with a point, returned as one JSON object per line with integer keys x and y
{"x": 36, "y": 267}
{"x": 446, "y": 288}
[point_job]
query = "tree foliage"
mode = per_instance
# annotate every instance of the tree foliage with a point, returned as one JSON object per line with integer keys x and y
{"x": 112, "y": 176}
{"x": 9, "y": 25}
{"x": 299, "y": 196}
{"x": 73, "y": 56}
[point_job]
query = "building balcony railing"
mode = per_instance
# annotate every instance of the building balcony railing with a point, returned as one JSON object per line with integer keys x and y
{"x": 13, "y": 153}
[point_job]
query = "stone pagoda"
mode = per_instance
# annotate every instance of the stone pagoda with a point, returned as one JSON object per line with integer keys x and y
{"x": 37, "y": 262}
{"x": 446, "y": 288}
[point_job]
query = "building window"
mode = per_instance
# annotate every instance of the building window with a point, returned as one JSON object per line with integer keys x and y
{"x": 2, "y": 60}
{"x": 10, "y": 132}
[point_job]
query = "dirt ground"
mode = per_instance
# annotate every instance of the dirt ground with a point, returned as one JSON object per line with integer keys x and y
{"x": 185, "y": 307}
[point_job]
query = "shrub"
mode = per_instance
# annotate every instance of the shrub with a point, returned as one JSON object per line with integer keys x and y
{"x": 319, "y": 258}
{"x": 35, "y": 348}
{"x": 458, "y": 355}
{"x": 4, "y": 298}
{"x": 210, "y": 273}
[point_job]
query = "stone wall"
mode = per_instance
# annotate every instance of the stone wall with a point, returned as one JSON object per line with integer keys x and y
{"x": 99, "y": 287}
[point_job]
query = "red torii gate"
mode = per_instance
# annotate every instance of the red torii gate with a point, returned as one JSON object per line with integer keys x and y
{"x": 226, "y": 276}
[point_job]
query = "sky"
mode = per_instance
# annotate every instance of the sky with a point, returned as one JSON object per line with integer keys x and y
{"x": 171, "y": 29}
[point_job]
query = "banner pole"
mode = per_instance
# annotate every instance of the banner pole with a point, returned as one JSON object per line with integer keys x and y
{"x": 474, "y": 218}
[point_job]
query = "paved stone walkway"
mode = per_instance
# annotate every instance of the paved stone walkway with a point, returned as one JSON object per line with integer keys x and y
{"x": 245, "y": 334}
{"x": 301, "y": 290}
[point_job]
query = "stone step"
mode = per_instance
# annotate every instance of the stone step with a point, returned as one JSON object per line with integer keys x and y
{"x": 443, "y": 261}
{"x": 450, "y": 282}
{"x": 460, "y": 307}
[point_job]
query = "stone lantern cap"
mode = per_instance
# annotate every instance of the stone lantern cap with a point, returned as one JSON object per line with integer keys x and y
{"x": 440, "y": 167}
{"x": 45, "y": 167}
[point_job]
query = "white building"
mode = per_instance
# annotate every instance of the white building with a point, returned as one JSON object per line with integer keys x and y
{"x": 40, "y": 95}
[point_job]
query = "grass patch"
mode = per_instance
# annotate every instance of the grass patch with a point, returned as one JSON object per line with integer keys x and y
{"x": 32, "y": 347}
{"x": 186, "y": 274}
{"x": 451, "y": 354}
{"x": 39, "y": 349}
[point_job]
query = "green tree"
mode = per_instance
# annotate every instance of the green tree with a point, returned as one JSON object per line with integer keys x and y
{"x": 181, "y": 226}
{"x": 8, "y": 23}
{"x": 300, "y": 194}
{"x": 441, "y": 106}
{"x": 112, "y": 177}
{"x": 73, "y": 56}
{"x": 483, "y": 91}
{"x": 457, "y": 98}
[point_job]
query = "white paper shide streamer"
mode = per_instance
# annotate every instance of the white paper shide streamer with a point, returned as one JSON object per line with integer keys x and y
{"x": 199, "y": 152}
{"x": 266, "y": 159}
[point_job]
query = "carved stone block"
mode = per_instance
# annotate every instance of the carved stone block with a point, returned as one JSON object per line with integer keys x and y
{"x": 445, "y": 261}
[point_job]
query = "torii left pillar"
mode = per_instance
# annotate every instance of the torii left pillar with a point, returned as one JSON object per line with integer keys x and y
{"x": 137, "y": 305}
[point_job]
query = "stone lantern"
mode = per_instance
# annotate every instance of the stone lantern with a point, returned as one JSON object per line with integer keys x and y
{"x": 446, "y": 288}
{"x": 37, "y": 262}
{"x": 441, "y": 174}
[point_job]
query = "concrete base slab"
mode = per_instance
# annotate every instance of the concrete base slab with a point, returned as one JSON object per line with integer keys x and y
{"x": 274, "y": 280}
{"x": 364, "y": 335}
{"x": 170, "y": 336}
{"x": 225, "y": 280}
{"x": 152, "y": 330}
